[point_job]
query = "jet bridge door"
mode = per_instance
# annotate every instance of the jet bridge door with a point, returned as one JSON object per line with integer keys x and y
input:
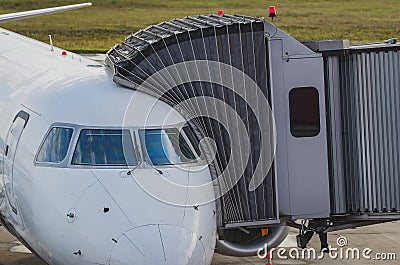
{"x": 11, "y": 146}
{"x": 306, "y": 137}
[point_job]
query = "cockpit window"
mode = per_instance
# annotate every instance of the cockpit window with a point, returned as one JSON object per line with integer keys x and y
{"x": 104, "y": 147}
{"x": 55, "y": 147}
{"x": 166, "y": 147}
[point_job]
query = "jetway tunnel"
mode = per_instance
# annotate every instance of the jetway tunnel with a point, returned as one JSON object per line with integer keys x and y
{"x": 301, "y": 130}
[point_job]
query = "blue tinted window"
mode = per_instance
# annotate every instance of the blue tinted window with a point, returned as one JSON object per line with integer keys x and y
{"x": 166, "y": 147}
{"x": 55, "y": 146}
{"x": 104, "y": 148}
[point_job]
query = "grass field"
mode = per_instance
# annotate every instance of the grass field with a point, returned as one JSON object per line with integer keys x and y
{"x": 97, "y": 28}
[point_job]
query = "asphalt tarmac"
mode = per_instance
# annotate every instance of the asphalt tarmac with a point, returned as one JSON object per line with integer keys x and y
{"x": 383, "y": 240}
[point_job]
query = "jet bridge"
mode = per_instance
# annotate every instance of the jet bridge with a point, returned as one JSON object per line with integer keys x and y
{"x": 301, "y": 130}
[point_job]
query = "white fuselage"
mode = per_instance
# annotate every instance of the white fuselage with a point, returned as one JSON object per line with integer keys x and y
{"x": 111, "y": 218}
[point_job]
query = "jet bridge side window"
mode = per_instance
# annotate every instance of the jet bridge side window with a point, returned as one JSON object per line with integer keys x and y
{"x": 54, "y": 148}
{"x": 304, "y": 112}
{"x": 104, "y": 147}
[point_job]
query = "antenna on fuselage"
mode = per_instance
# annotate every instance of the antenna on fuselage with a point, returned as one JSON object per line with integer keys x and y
{"x": 51, "y": 44}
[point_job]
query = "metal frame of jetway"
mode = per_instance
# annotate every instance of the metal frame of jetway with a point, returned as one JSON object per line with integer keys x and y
{"x": 336, "y": 110}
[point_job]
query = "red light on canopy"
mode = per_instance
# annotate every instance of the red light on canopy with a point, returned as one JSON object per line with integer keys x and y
{"x": 272, "y": 12}
{"x": 64, "y": 53}
{"x": 220, "y": 12}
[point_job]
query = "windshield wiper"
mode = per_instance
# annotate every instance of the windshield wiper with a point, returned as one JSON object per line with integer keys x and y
{"x": 153, "y": 167}
{"x": 130, "y": 171}
{"x": 145, "y": 163}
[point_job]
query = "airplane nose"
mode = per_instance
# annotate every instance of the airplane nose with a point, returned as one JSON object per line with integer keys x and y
{"x": 158, "y": 244}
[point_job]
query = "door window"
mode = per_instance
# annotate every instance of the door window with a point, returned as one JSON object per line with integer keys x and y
{"x": 304, "y": 112}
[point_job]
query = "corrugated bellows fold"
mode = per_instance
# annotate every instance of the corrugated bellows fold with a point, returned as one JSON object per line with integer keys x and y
{"x": 208, "y": 68}
{"x": 364, "y": 93}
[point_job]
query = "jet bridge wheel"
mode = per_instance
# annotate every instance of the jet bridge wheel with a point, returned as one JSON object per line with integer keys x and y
{"x": 246, "y": 242}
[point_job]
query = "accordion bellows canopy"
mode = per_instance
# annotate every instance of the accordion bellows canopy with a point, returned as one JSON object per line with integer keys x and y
{"x": 214, "y": 71}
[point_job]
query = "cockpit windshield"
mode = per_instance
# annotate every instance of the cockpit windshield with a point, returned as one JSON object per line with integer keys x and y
{"x": 117, "y": 147}
{"x": 55, "y": 146}
{"x": 105, "y": 147}
{"x": 166, "y": 146}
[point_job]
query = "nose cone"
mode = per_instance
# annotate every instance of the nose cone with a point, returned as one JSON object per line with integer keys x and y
{"x": 158, "y": 244}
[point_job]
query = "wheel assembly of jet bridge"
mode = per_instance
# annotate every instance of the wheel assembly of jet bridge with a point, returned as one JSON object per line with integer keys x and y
{"x": 301, "y": 130}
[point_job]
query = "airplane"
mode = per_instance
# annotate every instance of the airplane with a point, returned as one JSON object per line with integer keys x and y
{"x": 81, "y": 207}
{"x": 69, "y": 164}
{"x": 88, "y": 157}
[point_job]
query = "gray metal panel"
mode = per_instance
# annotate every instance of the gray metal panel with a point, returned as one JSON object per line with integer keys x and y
{"x": 280, "y": 111}
{"x": 327, "y": 45}
{"x": 308, "y": 156}
{"x": 363, "y": 89}
{"x": 301, "y": 163}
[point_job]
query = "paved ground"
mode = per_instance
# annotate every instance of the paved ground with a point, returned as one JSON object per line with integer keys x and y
{"x": 383, "y": 238}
